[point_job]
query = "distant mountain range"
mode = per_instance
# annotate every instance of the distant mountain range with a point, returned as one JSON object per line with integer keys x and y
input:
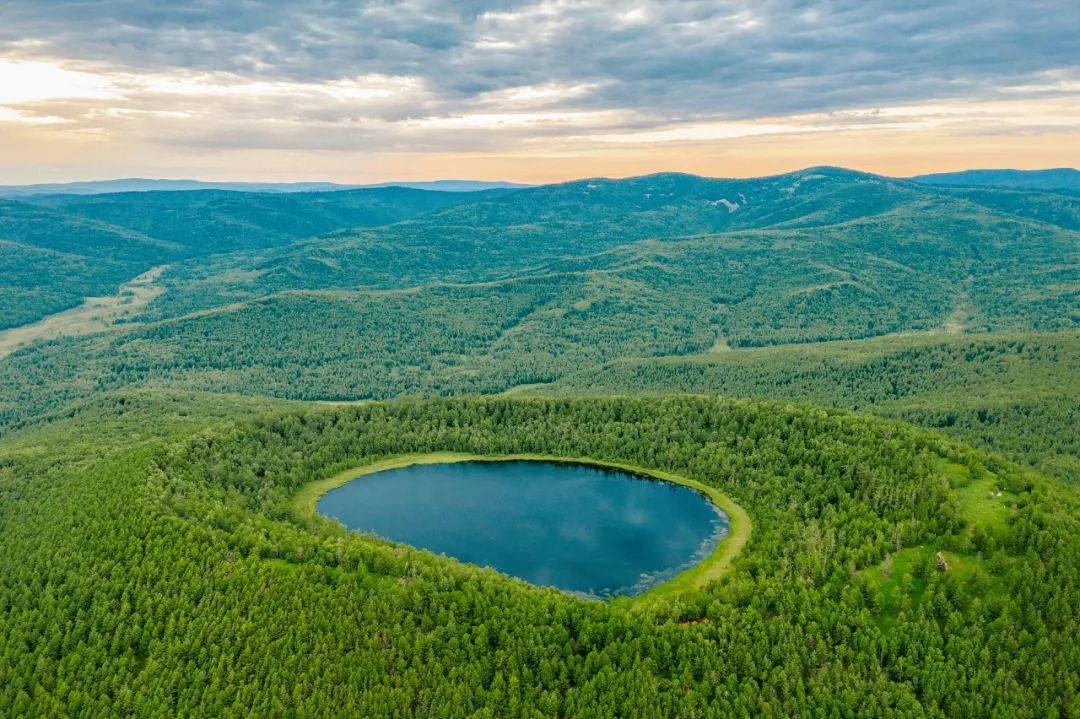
{"x": 1061, "y": 178}
{"x": 137, "y": 184}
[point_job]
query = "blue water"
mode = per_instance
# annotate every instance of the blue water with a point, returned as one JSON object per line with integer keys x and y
{"x": 588, "y": 530}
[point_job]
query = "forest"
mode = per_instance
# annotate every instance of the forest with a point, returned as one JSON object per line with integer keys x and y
{"x": 238, "y": 606}
{"x": 883, "y": 373}
{"x": 506, "y": 290}
{"x": 1016, "y": 394}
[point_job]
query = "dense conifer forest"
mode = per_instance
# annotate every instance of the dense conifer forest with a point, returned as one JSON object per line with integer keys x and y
{"x": 166, "y": 575}
{"x": 1017, "y": 394}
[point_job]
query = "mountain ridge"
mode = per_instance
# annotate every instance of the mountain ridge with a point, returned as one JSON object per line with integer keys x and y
{"x": 1057, "y": 178}
{"x": 141, "y": 184}
{"x": 1049, "y": 178}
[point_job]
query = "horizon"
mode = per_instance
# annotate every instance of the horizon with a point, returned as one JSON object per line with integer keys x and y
{"x": 500, "y": 180}
{"x": 533, "y": 92}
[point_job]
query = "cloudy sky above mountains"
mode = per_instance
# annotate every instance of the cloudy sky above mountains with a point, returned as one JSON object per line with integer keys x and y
{"x": 532, "y": 91}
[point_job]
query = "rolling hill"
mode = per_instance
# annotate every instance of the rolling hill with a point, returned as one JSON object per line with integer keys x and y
{"x": 51, "y": 260}
{"x": 140, "y": 184}
{"x": 943, "y": 265}
{"x": 506, "y": 290}
{"x": 109, "y": 239}
{"x": 214, "y": 221}
{"x": 1062, "y": 178}
{"x": 518, "y": 232}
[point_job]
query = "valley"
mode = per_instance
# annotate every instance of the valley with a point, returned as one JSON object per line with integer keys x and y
{"x": 609, "y": 286}
{"x": 95, "y": 314}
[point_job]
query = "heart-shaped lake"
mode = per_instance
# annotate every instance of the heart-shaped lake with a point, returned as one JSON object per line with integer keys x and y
{"x": 585, "y": 529}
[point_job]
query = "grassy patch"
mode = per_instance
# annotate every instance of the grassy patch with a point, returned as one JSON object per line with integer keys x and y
{"x": 982, "y": 505}
{"x": 893, "y": 585}
{"x": 95, "y": 314}
{"x": 901, "y": 586}
{"x": 981, "y": 502}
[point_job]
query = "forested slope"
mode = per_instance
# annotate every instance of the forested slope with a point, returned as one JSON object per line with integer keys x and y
{"x": 494, "y": 238}
{"x": 50, "y": 261}
{"x": 1056, "y": 208}
{"x": 488, "y": 292}
{"x": 57, "y": 250}
{"x": 216, "y": 221}
{"x": 156, "y": 570}
{"x": 1061, "y": 178}
{"x": 1016, "y": 394}
{"x": 900, "y": 271}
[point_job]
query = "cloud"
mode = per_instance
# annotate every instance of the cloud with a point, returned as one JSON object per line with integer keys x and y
{"x": 27, "y": 82}
{"x": 690, "y": 58}
{"x": 480, "y": 76}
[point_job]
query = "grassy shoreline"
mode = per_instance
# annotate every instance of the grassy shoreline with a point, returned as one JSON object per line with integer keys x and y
{"x": 713, "y": 567}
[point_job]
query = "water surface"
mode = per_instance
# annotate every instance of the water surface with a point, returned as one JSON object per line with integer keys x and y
{"x": 583, "y": 529}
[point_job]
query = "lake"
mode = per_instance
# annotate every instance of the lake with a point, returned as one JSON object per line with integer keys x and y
{"x": 584, "y": 529}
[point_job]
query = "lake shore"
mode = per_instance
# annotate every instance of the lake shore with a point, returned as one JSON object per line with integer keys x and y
{"x": 712, "y": 568}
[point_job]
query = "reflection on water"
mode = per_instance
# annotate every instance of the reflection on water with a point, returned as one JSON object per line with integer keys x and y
{"x": 587, "y": 530}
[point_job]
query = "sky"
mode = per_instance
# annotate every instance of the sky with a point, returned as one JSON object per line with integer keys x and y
{"x": 532, "y": 90}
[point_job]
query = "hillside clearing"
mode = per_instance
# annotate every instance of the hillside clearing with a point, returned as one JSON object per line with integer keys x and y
{"x": 95, "y": 314}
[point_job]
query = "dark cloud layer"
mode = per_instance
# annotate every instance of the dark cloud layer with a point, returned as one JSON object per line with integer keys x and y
{"x": 671, "y": 60}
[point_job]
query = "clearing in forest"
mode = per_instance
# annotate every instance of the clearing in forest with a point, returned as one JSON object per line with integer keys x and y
{"x": 95, "y": 314}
